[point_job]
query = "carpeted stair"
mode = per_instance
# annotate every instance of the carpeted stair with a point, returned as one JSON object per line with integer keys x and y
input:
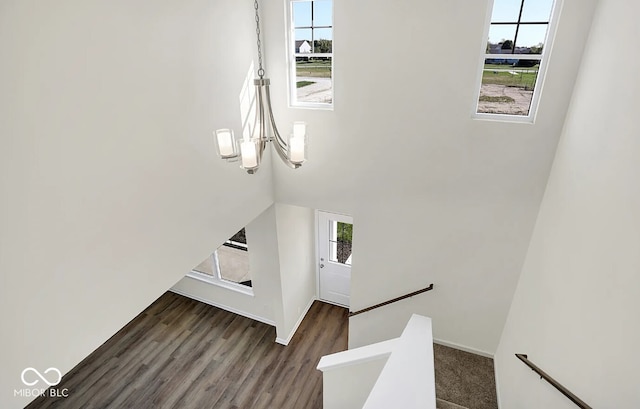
{"x": 463, "y": 380}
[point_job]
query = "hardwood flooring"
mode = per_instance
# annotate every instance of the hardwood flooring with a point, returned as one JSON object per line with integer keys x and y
{"x": 180, "y": 353}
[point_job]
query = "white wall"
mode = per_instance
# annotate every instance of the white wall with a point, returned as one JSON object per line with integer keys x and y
{"x": 575, "y": 311}
{"x": 464, "y": 261}
{"x": 110, "y": 188}
{"x": 296, "y": 248}
{"x": 264, "y": 266}
{"x": 402, "y": 155}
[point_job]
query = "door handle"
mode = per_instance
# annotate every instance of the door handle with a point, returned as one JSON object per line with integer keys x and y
{"x": 321, "y": 265}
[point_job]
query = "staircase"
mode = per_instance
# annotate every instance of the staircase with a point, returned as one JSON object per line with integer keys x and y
{"x": 408, "y": 372}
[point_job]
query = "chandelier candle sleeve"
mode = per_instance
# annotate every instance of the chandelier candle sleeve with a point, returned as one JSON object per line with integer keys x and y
{"x": 226, "y": 143}
{"x": 299, "y": 129}
{"x": 249, "y": 154}
{"x": 296, "y": 149}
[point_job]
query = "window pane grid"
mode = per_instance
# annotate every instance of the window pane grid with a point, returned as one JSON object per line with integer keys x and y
{"x": 312, "y": 27}
{"x": 511, "y": 43}
{"x": 229, "y": 262}
{"x": 517, "y": 33}
{"x": 522, "y": 23}
{"x": 312, "y": 74}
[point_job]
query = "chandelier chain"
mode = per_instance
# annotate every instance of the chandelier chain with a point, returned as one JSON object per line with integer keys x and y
{"x": 260, "y": 68}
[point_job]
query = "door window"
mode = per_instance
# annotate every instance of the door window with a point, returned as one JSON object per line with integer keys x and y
{"x": 340, "y": 239}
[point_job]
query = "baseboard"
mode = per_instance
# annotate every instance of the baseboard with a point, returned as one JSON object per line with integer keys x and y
{"x": 225, "y": 307}
{"x": 463, "y": 348}
{"x": 286, "y": 341}
{"x": 333, "y": 303}
{"x": 495, "y": 375}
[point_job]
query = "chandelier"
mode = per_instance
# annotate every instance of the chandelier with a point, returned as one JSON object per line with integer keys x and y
{"x": 250, "y": 148}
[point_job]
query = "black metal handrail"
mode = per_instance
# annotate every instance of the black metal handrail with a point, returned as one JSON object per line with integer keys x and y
{"x": 566, "y": 392}
{"x": 382, "y": 304}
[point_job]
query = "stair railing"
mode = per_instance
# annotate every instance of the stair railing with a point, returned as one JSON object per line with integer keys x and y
{"x": 382, "y": 304}
{"x": 566, "y": 392}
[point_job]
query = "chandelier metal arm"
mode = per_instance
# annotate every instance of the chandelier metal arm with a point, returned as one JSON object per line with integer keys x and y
{"x": 264, "y": 114}
{"x": 281, "y": 146}
{"x": 284, "y": 157}
{"x": 276, "y": 134}
{"x": 260, "y": 125}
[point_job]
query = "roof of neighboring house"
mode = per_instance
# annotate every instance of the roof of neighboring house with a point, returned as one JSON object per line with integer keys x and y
{"x": 300, "y": 42}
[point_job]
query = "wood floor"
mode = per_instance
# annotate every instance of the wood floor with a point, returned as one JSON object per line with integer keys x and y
{"x": 180, "y": 353}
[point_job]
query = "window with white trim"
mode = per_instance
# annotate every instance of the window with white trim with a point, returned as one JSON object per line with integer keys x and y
{"x": 228, "y": 266}
{"x": 519, "y": 35}
{"x": 311, "y": 53}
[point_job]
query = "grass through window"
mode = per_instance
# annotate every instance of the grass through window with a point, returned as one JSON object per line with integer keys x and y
{"x": 314, "y": 68}
{"x": 510, "y": 75}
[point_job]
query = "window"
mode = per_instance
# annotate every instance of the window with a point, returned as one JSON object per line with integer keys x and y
{"x": 340, "y": 242}
{"x": 518, "y": 42}
{"x": 228, "y": 266}
{"x": 311, "y": 53}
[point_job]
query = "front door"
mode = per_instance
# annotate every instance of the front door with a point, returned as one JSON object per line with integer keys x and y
{"x": 335, "y": 232}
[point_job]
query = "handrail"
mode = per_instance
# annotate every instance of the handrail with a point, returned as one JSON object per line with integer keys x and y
{"x": 566, "y": 392}
{"x": 382, "y": 304}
